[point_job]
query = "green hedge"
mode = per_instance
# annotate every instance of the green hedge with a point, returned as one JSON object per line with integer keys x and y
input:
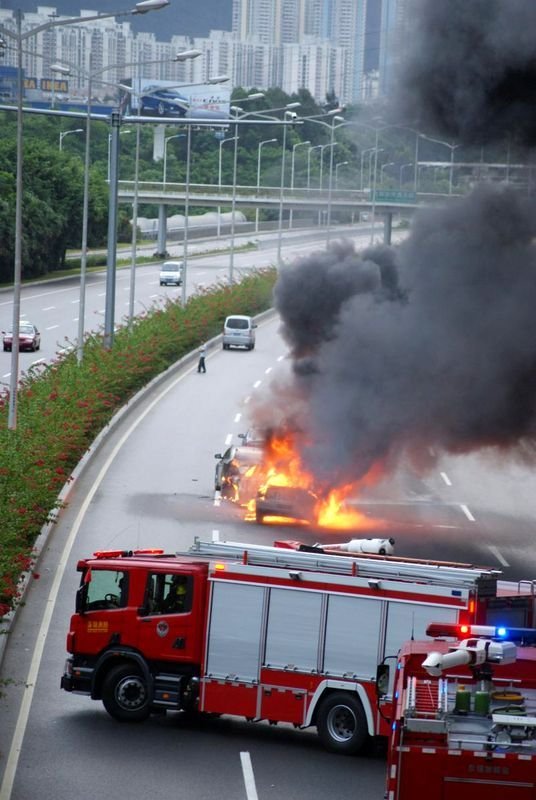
{"x": 63, "y": 408}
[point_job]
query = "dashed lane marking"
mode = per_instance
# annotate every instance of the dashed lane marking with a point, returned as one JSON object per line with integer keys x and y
{"x": 446, "y": 478}
{"x": 249, "y": 777}
{"x": 467, "y": 512}
{"x": 257, "y": 384}
{"x": 498, "y": 555}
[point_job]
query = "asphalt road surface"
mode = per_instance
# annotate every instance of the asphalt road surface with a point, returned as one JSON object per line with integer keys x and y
{"x": 151, "y": 485}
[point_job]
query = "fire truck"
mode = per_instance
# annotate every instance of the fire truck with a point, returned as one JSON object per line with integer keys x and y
{"x": 464, "y": 726}
{"x": 286, "y": 633}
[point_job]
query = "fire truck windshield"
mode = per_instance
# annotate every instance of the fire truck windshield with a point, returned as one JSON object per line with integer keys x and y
{"x": 103, "y": 589}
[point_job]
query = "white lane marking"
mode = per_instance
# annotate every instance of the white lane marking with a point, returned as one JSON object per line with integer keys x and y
{"x": 43, "y": 294}
{"x": 228, "y": 439}
{"x": 446, "y": 478}
{"x": 101, "y": 294}
{"x": 280, "y": 358}
{"x": 467, "y": 512}
{"x": 249, "y": 778}
{"x": 247, "y": 399}
{"x": 154, "y": 295}
{"x": 75, "y": 319}
{"x": 75, "y": 301}
{"x": 238, "y": 417}
{"x": 22, "y": 720}
{"x": 6, "y": 375}
{"x": 52, "y": 327}
{"x": 257, "y": 384}
{"x": 48, "y": 308}
{"x": 498, "y": 555}
{"x": 267, "y": 371}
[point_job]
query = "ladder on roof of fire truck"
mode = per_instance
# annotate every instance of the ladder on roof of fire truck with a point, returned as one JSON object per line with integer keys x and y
{"x": 462, "y": 576}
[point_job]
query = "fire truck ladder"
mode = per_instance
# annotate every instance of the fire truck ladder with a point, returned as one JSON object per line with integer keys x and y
{"x": 481, "y": 578}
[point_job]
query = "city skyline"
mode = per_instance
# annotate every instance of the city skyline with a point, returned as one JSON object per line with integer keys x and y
{"x": 182, "y": 18}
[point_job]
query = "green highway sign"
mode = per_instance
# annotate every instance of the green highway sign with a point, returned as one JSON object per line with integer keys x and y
{"x": 395, "y": 196}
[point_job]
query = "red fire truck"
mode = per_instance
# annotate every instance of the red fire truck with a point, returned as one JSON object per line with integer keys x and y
{"x": 464, "y": 726}
{"x": 287, "y": 633}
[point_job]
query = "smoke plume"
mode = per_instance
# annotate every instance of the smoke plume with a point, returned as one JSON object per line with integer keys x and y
{"x": 431, "y": 344}
{"x": 471, "y": 72}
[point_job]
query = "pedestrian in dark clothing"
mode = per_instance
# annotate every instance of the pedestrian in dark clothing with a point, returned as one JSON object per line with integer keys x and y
{"x": 201, "y": 365}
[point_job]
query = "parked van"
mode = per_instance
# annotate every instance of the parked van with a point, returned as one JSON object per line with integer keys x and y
{"x": 239, "y": 331}
{"x": 171, "y": 273}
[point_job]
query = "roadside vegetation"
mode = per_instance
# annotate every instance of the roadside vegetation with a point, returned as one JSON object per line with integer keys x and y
{"x": 63, "y": 406}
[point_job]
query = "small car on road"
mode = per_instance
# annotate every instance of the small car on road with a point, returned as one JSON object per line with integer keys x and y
{"x": 29, "y": 337}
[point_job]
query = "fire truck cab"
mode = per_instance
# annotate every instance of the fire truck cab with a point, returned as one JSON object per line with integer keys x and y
{"x": 282, "y": 634}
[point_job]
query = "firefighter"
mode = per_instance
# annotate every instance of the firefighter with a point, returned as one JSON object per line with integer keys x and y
{"x": 175, "y": 601}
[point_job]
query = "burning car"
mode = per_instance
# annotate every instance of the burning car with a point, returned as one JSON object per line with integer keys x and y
{"x": 290, "y": 502}
{"x": 235, "y": 468}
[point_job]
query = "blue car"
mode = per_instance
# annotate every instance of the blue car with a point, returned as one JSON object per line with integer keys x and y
{"x": 162, "y": 102}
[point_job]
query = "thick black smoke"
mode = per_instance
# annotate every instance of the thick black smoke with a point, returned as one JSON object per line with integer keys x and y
{"x": 471, "y": 73}
{"x": 431, "y": 344}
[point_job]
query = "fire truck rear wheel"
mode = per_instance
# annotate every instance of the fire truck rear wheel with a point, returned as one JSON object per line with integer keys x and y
{"x": 125, "y": 694}
{"x": 341, "y": 723}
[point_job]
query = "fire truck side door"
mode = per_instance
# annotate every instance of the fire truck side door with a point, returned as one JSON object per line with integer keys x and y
{"x": 166, "y": 621}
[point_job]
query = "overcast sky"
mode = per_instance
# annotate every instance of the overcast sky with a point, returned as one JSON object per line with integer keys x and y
{"x": 181, "y": 18}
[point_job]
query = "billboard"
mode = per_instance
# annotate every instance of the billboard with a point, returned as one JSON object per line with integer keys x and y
{"x": 170, "y": 99}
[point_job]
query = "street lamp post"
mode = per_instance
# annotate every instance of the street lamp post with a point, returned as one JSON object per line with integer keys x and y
{"x": 186, "y": 217}
{"x": 62, "y": 71}
{"x": 63, "y": 134}
{"x": 294, "y": 148}
{"x": 20, "y": 38}
{"x": 259, "y": 149}
{"x": 363, "y": 154}
{"x": 288, "y": 114}
{"x": 402, "y": 168}
{"x": 384, "y": 166}
{"x": 337, "y": 167}
{"x": 221, "y": 143}
{"x": 314, "y": 147}
{"x": 452, "y": 148}
{"x": 332, "y": 144}
{"x": 109, "y": 150}
{"x": 166, "y": 140}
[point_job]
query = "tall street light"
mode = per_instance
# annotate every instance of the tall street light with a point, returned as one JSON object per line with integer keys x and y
{"x": 221, "y": 143}
{"x": 166, "y": 140}
{"x": 20, "y": 37}
{"x": 288, "y": 115}
{"x": 314, "y": 147}
{"x": 237, "y": 110}
{"x": 122, "y": 133}
{"x": 401, "y": 172}
{"x": 384, "y": 166}
{"x": 337, "y": 167}
{"x": 259, "y": 149}
{"x": 59, "y": 68}
{"x": 294, "y": 148}
{"x": 452, "y": 148}
{"x": 63, "y": 134}
{"x": 332, "y": 145}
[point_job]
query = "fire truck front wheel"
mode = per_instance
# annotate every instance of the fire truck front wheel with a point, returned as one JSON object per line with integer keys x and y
{"x": 125, "y": 694}
{"x": 341, "y": 723}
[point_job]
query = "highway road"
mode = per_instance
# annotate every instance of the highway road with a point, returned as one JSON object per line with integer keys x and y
{"x": 151, "y": 485}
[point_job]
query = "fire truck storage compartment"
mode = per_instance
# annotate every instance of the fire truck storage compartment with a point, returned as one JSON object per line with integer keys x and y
{"x": 263, "y": 641}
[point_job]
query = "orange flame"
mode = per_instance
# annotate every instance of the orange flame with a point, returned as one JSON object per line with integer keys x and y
{"x": 283, "y": 467}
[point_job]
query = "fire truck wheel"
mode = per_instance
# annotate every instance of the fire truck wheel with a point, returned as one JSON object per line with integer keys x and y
{"x": 341, "y": 723}
{"x": 125, "y": 694}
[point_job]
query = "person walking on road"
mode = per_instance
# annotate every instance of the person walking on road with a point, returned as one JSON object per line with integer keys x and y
{"x": 201, "y": 365}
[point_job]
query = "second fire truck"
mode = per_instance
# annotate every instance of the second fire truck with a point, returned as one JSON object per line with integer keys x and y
{"x": 288, "y": 633}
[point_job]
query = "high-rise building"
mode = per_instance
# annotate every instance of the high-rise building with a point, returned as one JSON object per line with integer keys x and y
{"x": 395, "y": 39}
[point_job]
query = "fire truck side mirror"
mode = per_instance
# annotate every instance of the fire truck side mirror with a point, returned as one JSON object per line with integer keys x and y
{"x": 382, "y": 680}
{"x": 81, "y": 598}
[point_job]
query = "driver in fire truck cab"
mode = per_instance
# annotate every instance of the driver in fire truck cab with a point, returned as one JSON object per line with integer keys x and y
{"x": 175, "y": 599}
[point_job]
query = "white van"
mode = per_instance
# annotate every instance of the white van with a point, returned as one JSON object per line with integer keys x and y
{"x": 171, "y": 273}
{"x": 239, "y": 331}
